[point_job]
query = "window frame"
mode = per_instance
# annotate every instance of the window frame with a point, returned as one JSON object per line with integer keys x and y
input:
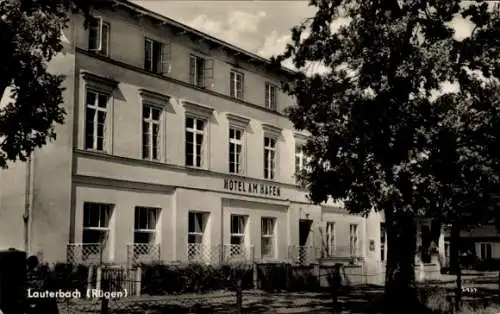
{"x": 243, "y": 233}
{"x": 105, "y": 228}
{"x": 353, "y": 239}
{"x": 106, "y": 125}
{"x": 203, "y": 146}
{"x": 233, "y": 83}
{"x": 271, "y": 100}
{"x": 151, "y": 122}
{"x": 234, "y": 142}
{"x": 102, "y": 24}
{"x": 271, "y": 157}
{"x": 162, "y": 65}
{"x": 203, "y": 219}
{"x": 152, "y": 233}
{"x": 330, "y": 234}
{"x": 272, "y": 222}
{"x": 485, "y": 247}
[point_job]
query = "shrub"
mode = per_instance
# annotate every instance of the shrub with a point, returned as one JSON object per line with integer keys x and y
{"x": 434, "y": 298}
{"x": 160, "y": 279}
{"x": 63, "y": 276}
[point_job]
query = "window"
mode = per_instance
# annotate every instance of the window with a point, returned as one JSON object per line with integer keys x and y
{"x": 236, "y": 85}
{"x": 238, "y": 226}
{"x": 235, "y": 150}
{"x": 330, "y": 239}
{"x": 269, "y": 158}
{"x": 195, "y": 136}
{"x": 151, "y": 132}
{"x": 145, "y": 224}
{"x": 196, "y": 229}
{"x": 353, "y": 240}
{"x": 382, "y": 241}
{"x": 267, "y": 237}
{"x": 485, "y": 251}
{"x": 300, "y": 160}
{"x": 155, "y": 56}
{"x": 96, "y": 120}
{"x": 201, "y": 71}
{"x": 99, "y": 36}
{"x": 271, "y": 97}
{"x": 96, "y": 219}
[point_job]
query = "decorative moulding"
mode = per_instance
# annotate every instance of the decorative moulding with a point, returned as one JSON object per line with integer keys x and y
{"x": 100, "y": 80}
{"x": 237, "y": 120}
{"x": 300, "y": 136}
{"x": 197, "y": 109}
{"x": 154, "y": 97}
{"x": 271, "y": 129}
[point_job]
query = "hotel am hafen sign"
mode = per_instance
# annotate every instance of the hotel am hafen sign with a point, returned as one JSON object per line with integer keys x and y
{"x": 251, "y": 188}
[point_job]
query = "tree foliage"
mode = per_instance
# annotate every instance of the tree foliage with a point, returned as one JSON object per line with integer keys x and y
{"x": 30, "y": 33}
{"x": 385, "y": 135}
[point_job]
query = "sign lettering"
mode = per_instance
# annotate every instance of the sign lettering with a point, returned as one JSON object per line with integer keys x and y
{"x": 251, "y": 188}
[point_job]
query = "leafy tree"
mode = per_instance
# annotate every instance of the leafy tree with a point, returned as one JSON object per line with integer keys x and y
{"x": 30, "y": 33}
{"x": 381, "y": 138}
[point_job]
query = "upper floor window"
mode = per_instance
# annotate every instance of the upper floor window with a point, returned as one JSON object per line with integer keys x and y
{"x": 271, "y": 102}
{"x": 99, "y": 36}
{"x": 235, "y": 150}
{"x": 236, "y": 84}
{"x": 200, "y": 71}
{"x": 155, "y": 56}
{"x": 269, "y": 157}
{"x": 195, "y": 138}
{"x": 151, "y": 127}
{"x": 300, "y": 159}
{"x": 96, "y": 120}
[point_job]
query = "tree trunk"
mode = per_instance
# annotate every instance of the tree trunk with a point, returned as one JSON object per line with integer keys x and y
{"x": 400, "y": 290}
{"x": 455, "y": 255}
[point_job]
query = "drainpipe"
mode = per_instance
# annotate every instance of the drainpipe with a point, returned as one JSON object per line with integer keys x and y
{"x": 27, "y": 205}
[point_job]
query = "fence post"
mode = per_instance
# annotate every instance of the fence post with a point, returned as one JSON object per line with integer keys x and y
{"x": 90, "y": 275}
{"x": 98, "y": 278}
{"x": 255, "y": 275}
{"x": 138, "y": 277}
{"x": 104, "y": 300}
{"x": 239, "y": 296}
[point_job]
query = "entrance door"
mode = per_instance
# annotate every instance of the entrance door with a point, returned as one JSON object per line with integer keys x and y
{"x": 304, "y": 232}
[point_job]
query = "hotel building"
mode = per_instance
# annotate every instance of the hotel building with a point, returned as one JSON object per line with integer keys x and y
{"x": 175, "y": 148}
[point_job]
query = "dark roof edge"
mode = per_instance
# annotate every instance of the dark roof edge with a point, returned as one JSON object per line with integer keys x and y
{"x": 191, "y": 30}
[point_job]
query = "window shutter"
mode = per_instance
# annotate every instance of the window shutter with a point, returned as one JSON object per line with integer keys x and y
{"x": 148, "y": 48}
{"x": 202, "y": 148}
{"x": 166, "y": 53}
{"x": 209, "y": 73}
{"x": 267, "y": 95}
{"x": 192, "y": 69}
{"x": 99, "y": 34}
{"x": 232, "y": 83}
{"x": 242, "y": 87}
{"x": 106, "y": 136}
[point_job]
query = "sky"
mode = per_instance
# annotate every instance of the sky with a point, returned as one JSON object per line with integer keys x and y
{"x": 261, "y": 27}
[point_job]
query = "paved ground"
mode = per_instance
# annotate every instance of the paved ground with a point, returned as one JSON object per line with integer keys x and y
{"x": 484, "y": 290}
